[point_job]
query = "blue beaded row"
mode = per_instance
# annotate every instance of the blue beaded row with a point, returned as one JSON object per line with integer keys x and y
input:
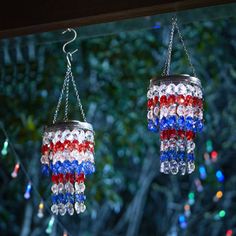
{"x": 85, "y": 167}
{"x": 68, "y": 197}
{"x": 173, "y": 155}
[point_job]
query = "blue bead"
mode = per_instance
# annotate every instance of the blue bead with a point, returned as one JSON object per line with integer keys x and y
{"x": 171, "y": 122}
{"x": 45, "y": 170}
{"x": 181, "y": 155}
{"x": 200, "y": 126}
{"x": 54, "y": 199}
{"x": 163, "y": 124}
{"x": 190, "y": 156}
{"x": 189, "y": 123}
{"x": 181, "y": 123}
{"x": 156, "y": 122}
{"x": 151, "y": 126}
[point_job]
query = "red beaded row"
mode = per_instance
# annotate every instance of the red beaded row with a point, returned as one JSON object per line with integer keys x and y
{"x": 171, "y": 99}
{"x": 61, "y": 178}
{"x": 74, "y": 145}
{"x": 167, "y": 134}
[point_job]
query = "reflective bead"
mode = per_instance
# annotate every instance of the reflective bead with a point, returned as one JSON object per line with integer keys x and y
{"x": 149, "y": 93}
{"x": 170, "y": 89}
{"x": 89, "y": 136}
{"x": 181, "y": 89}
{"x": 62, "y": 209}
{"x": 172, "y": 143}
{"x": 172, "y": 110}
{"x": 171, "y": 122}
{"x": 156, "y": 110}
{"x": 162, "y": 167}
{"x": 60, "y": 188}
{"x": 189, "y": 111}
{"x": 174, "y": 167}
{"x": 190, "y": 167}
{"x": 181, "y": 145}
{"x": 166, "y": 167}
{"x": 70, "y": 208}
{"x": 190, "y": 89}
{"x": 182, "y": 167}
{"x": 151, "y": 126}
{"x": 155, "y": 91}
{"x": 54, "y": 209}
{"x": 77, "y": 207}
{"x": 69, "y": 188}
{"x": 163, "y": 111}
{"x": 81, "y": 136}
{"x": 181, "y": 110}
{"x": 163, "y": 123}
{"x": 190, "y": 146}
{"x": 82, "y": 207}
{"x": 150, "y": 115}
{"x": 54, "y": 188}
{"x": 162, "y": 90}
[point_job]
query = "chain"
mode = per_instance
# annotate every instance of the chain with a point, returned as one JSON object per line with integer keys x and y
{"x": 185, "y": 49}
{"x": 78, "y": 97}
{"x": 67, "y": 92}
{"x": 170, "y": 46}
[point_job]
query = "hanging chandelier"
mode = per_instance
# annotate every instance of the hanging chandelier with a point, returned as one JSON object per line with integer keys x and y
{"x": 175, "y": 110}
{"x": 68, "y": 152}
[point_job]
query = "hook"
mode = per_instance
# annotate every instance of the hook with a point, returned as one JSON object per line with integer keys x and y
{"x": 69, "y": 54}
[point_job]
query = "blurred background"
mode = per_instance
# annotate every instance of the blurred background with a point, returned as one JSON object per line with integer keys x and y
{"x": 127, "y": 195}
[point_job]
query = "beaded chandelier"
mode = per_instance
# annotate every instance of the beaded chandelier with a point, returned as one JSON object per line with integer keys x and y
{"x": 175, "y": 109}
{"x": 68, "y": 153}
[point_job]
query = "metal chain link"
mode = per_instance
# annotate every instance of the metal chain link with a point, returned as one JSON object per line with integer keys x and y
{"x": 168, "y": 59}
{"x": 170, "y": 46}
{"x": 78, "y": 97}
{"x": 67, "y": 92}
{"x": 185, "y": 49}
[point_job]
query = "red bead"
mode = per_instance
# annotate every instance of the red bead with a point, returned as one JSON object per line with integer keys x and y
{"x": 75, "y": 144}
{"x": 189, "y": 100}
{"x": 200, "y": 103}
{"x": 172, "y": 133}
{"x": 189, "y": 135}
{"x": 60, "y": 178}
{"x": 171, "y": 99}
{"x": 79, "y": 178}
{"x": 181, "y": 134}
{"x": 72, "y": 178}
{"x": 180, "y": 99}
{"x": 54, "y": 179}
{"x": 155, "y": 100}
{"x": 150, "y": 103}
{"x": 44, "y": 149}
{"x": 58, "y": 147}
{"x": 67, "y": 177}
{"x": 163, "y": 100}
{"x": 66, "y": 143}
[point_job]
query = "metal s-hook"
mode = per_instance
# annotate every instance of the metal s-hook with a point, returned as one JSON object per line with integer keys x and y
{"x": 69, "y": 54}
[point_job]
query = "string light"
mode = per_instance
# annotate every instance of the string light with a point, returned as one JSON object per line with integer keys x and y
{"x": 28, "y": 191}
{"x": 209, "y": 146}
{"x": 202, "y": 171}
{"x": 65, "y": 233}
{"x": 5, "y": 148}
{"x": 220, "y": 176}
{"x": 191, "y": 198}
{"x": 40, "y": 210}
{"x": 182, "y": 222}
{"x": 187, "y": 210}
{"x": 218, "y": 196}
{"x": 222, "y": 213}
{"x": 50, "y": 225}
{"x": 214, "y": 155}
{"x": 14, "y": 173}
{"x": 229, "y": 232}
{"x": 198, "y": 185}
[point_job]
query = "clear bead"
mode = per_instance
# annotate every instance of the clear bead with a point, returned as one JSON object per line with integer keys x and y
{"x": 189, "y": 111}
{"x": 89, "y": 136}
{"x": 198, "y": 113}
{"x": 69, "y": 188}
{"x": 181, "y": 89}
{"x": 190, "y": 89}
{"x": 172, "y": 143}
{"x": 81, "y": 136}
{"x": 65, "y": 133}
{"x": 149, "y": 93}
{"x": 70, "y": 208}
{"x": 54, "y": 188}
{"x": 163, "y": 111}
{"x": 172, "y": 110}
{"x": 162, "y": 90}
{"x": 181, "y": 110}
{"x": 190, "y": 167}
{"x": 54, "y": 209}
{"x": 80, "y": 187}
{"x": 82, "y": 207}
{"x": 190, "y": 146}
{"x": 77, "y": 207}
{"x": 155, "y": 91}
{"x": 62, "y": 209}
{"x": 166, "y": 167}
{"x": 156, "y": 110}
{"x": 75, "y": 134}
{"x": 182, "y": 167}
{"x": 181, "y": 145}
{"x": 150, "y": 115}
{"x": 170, "y": 89}
{"x": 198, "y": 92}
{"x": 60, "y": 188}
{"x": 51, "y": 136}
{"x": 162, "y": 167}
{"x": 174, "y": 167}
